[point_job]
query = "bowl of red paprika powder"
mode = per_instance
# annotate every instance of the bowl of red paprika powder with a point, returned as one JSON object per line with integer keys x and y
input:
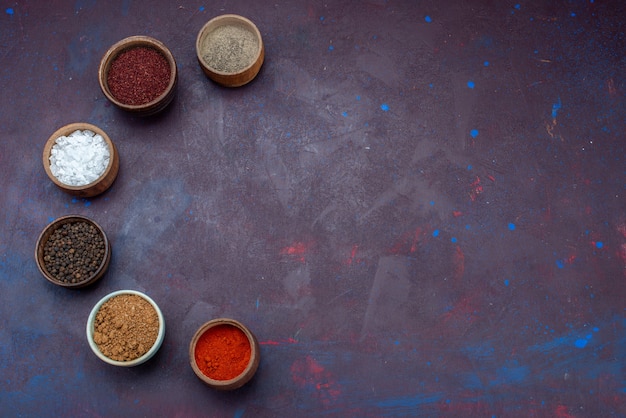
{"x": 224, "y": 354}
{"x": 138, "y": 74}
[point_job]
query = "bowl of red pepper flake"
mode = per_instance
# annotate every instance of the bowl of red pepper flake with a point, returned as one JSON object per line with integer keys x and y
{"x": 230, "y": 50}
{"x": 224, "y": 354}
{"x": 138, "y": 74}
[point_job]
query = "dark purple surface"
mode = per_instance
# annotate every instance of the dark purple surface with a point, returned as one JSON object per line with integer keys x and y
{"x": 417, "y": 207}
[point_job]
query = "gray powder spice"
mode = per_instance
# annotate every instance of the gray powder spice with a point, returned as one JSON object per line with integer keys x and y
{"x": 230, "y": 48}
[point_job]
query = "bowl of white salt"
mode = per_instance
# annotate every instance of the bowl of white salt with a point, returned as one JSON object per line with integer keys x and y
{"x": 81, "y": 159}
{"x": 230, "y": 50}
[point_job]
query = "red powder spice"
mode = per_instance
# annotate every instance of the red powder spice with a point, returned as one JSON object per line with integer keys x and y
{"x": 222, "y": 352}
{"x": 138, "y": 76}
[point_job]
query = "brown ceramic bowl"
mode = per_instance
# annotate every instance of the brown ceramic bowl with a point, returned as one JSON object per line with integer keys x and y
{"x": 245, "y": 375}
{"x": 45, "y": 235}
{"x": 159, "y": 103}
{"x": 212, "y": 44}
{"x": 99, "y": 185}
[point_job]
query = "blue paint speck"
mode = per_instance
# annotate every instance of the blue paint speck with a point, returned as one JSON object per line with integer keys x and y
{"x": 471, "y": 84}
{"x": 581, "y": 343}
{"x": 506, "y": 282}
{"x": 599, "y": 244}
{"x": 486, "y": 63}
{"x": 10, "y": 11}
{"x": 468, "y": 226}
{"x": 469, "y": 166}
{"x": 596, "y": 329}
{"x": 321, "y": 18}
{"x": 474, "y": 133}
{"x": 201, "y": 8}
{"x": 428, "y": 19}
{"x": 358, "y": 98}
{"x": 384, "y": 107}
{"x": 432, "y": 203}
{"x": 453, "y": 239}
{"x": 560, "y": 264}
{"x": 431, "y": 85}
{"x": 436, "y": 233}
{"x": 573, "y": 14}
{"x": 330, "y": 48}
{"x": 344, "y": 114}
{"x": 511, "y": 226}
{"x": 555, "y": 108}
{"x": 518, "y": 6}
{"x": 396, "y": 342}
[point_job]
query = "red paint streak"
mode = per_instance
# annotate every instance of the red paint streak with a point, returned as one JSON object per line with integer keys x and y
{"x": 281, "y": 342}
{"x": 490, "y": 177}
{"x": 407, "y": 243}
{"x": 298, "y": 249}
{"x": 308, "y": 373}
{"x": 457, "y": 213}
{"x": 476, "y": 189}
{"x": 350, "y": 260}
{"x": 416, "y": 238}
{"x": 610, "y": 84}
{"x": 562, "y": 411}
{"x": 458, "y": 261}
{"x": 622, "y": 255}
{"x": 463, "y": 311}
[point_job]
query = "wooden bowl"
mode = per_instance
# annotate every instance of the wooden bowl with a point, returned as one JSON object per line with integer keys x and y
{"x": 43, "y": 239}
{"x": 154, "y": 106}
{"x": 102, "y": 183}
{"x": 245, "y": 375}
{"x": 229, "y": 72}
{"x": 139, "y": 360}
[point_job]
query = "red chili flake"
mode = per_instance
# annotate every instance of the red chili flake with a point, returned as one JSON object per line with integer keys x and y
{"x": 138, "y": 76}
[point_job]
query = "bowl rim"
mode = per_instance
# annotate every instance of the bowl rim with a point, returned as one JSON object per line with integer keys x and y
{"x": 66, "y": 130}
{"x": 127, "y": 43}
{"x": 139, "y": 360}
{"x": 229, "y": 18}
{"x": 246, "y": 374}
{"x": 55, "y": 224}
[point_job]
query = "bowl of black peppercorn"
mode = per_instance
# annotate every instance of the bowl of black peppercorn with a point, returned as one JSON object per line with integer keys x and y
{"x": 73, "y": 251}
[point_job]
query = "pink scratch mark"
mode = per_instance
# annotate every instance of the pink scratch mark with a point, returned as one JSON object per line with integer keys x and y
{"x": 308, "y": 373}
{"x": 280, "y": 342}
{"x": 298, "y": 249}
{"x": 458, "y": 261}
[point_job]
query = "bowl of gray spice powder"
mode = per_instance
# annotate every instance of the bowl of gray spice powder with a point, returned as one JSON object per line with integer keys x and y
{"x": 230, "y": 50}
{"x": 125, "y": 328}
{"x": 73, "y": 251}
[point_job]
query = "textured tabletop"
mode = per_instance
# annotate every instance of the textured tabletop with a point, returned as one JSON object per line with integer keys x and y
{"x": 418, "y": 207}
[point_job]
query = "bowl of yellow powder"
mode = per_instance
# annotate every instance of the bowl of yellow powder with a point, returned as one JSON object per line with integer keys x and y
{"x": 230, "y": 50}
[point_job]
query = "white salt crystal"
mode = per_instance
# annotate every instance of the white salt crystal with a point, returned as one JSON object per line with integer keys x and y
{"x": 79, "y": 158}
